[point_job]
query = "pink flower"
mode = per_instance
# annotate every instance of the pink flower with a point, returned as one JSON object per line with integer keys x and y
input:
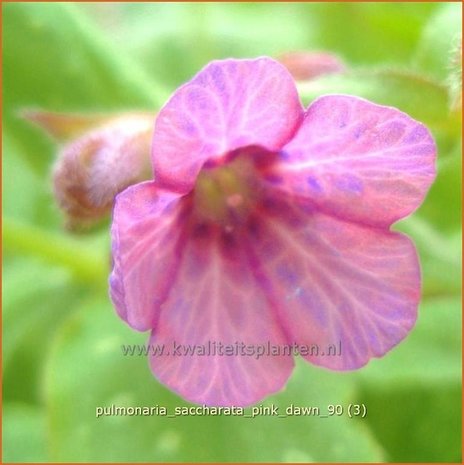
{"x": 268, "y": 225}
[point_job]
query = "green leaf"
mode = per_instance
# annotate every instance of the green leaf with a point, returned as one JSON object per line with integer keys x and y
{"x": 419, "y": 424}
{"x": 413, "y": 394}
{"x": 173, "y": 41}
{"x": 87, "y": 370}
{"x": 368, "y": 32}
{"x": 430, "y": 355}
{"x": 23, "y": 434}
{"x": 442, "y": 206}
{"x": 440, "y": 38}
{"x": 436, "y": 229}
{"x": 55, "y": 59}
{"x": 439, "y": 257}
{"x": 26, "y": 286}
{"x": 36, "y": 300}
{"x": 25, "y": 195}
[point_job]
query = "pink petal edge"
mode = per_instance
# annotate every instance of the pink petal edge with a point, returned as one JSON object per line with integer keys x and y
{"x": 358, "y": 161}
{"x": 333, "y": 281}
{"x": 229, "y": 104}
{"x": 146, "y": 239}
{"x": 216, "y": 298}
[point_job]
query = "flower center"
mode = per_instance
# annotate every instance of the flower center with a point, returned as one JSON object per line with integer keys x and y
{"x": 224, "y": 195}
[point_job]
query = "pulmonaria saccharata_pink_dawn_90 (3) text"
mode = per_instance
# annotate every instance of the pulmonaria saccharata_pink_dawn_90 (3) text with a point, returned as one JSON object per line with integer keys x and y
{"x": 268, "y": 222}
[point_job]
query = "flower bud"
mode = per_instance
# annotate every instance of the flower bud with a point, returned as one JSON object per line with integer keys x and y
{"x": 91, "y": 170}
{"x": 304, "y": 66}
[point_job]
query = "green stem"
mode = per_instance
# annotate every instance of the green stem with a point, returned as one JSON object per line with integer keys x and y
{"x": 127, "y": 69}
{"x": 85, "y": 262}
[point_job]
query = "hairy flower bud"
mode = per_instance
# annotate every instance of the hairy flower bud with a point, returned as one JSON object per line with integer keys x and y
{"x": 304, "y": 66}
{"x": 91, "y": 170}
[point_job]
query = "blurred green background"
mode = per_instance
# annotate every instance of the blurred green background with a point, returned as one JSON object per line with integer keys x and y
{"x": 61, "y": 337}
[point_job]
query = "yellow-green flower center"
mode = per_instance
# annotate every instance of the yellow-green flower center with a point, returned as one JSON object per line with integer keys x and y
{"x": 224, "y": 195}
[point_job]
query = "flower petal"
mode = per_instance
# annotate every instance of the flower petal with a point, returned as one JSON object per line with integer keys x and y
{"x": 146, "y": 239}
{"x": 216, "y": 300}
{"x": 227, "y": 105}
{"x": 358, "y": 160}
{"x": 336, "y": 282}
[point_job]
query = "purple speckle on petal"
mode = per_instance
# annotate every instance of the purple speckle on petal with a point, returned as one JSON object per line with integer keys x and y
{"x": 392, "y": 132}
{"x": 341, "y": 116}
{"x": 287, "y": 275}
{"x": 285, "y": 155}
{"x": 189, "y": 128}
{"x": 314, "y": 184}
{"x": 350, "y": 184}
{"x": 313, "y": 303}
{"x": 416, "y": 135}
{"x": 360, "y": 130}
{"x": 218, "y": 79}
